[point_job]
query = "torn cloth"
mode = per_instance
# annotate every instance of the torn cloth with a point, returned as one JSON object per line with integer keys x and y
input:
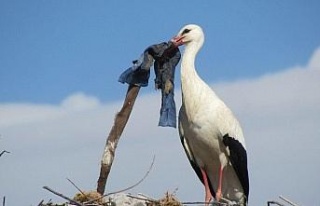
{"x": 165, "y": 57}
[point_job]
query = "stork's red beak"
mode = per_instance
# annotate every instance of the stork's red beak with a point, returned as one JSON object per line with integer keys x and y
{"x": 177, "y": 40}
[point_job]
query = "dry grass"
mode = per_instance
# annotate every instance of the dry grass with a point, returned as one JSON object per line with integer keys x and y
{"x": 89, "y": 196}
{"x": 167, "y": 200}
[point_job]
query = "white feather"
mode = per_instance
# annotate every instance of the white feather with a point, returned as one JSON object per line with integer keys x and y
{"x": 205, "y": 119}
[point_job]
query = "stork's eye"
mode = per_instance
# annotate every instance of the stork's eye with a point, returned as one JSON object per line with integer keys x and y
{"x": 186, "y": 31}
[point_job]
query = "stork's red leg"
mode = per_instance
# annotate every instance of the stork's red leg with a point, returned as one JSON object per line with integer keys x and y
{"x": 208, "y": 195}
{"x": 219, "y": 193}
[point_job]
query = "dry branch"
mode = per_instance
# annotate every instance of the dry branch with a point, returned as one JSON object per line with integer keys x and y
{"x": 136, "y": 184}
{"x": 272, "y": 202}
{"x": 4, "y": 151}
{"x": 288, "y": 201}
{"x": 40, "y": 203}
{"x": 269, "y": 203}
{"x": 128, "y": 188}
{"x": 63, "y": 196}
{"x": 120, "y": 122}
{"x": 76, "y": 186}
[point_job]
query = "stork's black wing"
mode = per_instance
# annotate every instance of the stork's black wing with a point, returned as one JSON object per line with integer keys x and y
{"x": 238, "y": 159}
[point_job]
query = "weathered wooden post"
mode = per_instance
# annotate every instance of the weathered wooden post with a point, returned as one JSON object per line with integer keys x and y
{"x": 119, "y": 124}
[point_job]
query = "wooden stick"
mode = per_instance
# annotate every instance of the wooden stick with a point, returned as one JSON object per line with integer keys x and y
{"x": 274, "y": 203}
{"x": 144, "y": 199}
{"x": 136, "y": 184}
{"x": 120, "y": 122}
{"x": 288, "y": 201}
{"x": 205, "y": 203}
{"x": 77, "y": 187}
{"x": 128, "y": 188}
{"x": 4, "y": 151}
{"x": 40, "y": 203}
{"x": 64, "y": 197}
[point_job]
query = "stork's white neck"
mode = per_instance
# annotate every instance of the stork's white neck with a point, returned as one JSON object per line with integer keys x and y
{"x": 191, "y": 83}
{"x": 188, "y": 71}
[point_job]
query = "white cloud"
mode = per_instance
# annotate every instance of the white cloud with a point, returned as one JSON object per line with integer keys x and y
{"x": 80, "y": 101}
{"x": 12, "y": 114}
{"x": 314, "y": 62}
{"x": 279, "y": 113}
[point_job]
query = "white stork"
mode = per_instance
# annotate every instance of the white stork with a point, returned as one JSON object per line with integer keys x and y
{"x": 209, "y": 132}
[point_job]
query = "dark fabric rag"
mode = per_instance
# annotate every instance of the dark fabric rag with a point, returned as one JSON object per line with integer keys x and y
{"x": 164, "y": 57}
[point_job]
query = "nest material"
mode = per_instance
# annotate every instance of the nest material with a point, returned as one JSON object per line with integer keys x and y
{"x": 167, "y": 200}
{"x": 89, "y": 196}
{"x": 95, "y": 198}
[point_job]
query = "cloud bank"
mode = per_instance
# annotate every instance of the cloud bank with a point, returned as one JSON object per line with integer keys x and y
{"x": 279, "y": 112}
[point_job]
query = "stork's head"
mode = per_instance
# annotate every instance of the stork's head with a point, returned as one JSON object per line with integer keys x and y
{"x": 190, "y": 33}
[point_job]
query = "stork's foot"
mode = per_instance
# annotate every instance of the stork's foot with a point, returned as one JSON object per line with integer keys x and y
{"x": 208, "y": 199}
{"x": 218, "y": 195}
{"x": 208, "y": 195}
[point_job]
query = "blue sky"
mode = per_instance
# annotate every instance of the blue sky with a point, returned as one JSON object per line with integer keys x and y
{"x": 59, "y": 65}
{"x": 50, "y": 49}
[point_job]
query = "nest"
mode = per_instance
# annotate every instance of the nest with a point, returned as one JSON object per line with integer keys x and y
{"x": 167, "y": 200}
{"x": 94, "y": 198}
{"x": 91, "y": 196}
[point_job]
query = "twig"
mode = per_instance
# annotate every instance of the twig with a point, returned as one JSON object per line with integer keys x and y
{"x": 275, "y": 203}
{"x": 76, "y": 187}
{"x": 120, "y": 122}
{"x": 205, "y": 203}
{"x": 4, "y": 201}
{"x": 195, "y": 203}
{"x": 40, "y": 203}
{"x": 148, "y": 199}
{"x": 143, "y": 198}
{"x": 64, "y": 197}
{"x": 288, "y": 201}
{"x": 130, "y": 187}
{"x": 139, "y": 182}
{"x": 4, "y": 151}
